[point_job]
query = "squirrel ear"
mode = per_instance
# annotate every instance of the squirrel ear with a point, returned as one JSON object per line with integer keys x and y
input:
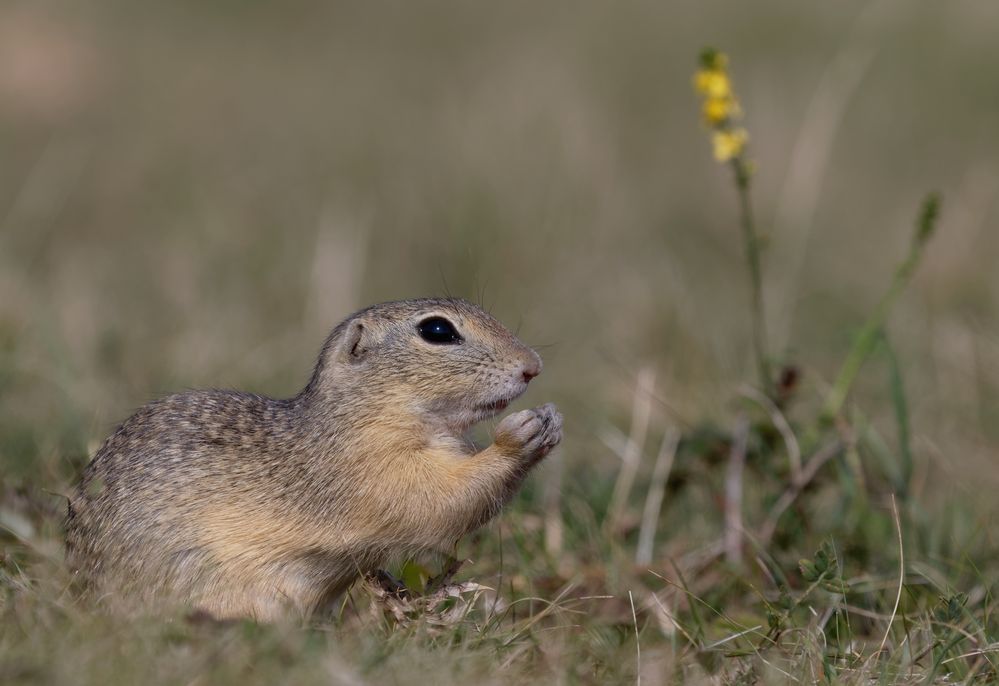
{"x": 356, "y": 342}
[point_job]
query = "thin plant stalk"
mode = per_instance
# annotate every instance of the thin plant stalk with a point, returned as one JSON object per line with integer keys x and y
{"x": 752, "y": 244}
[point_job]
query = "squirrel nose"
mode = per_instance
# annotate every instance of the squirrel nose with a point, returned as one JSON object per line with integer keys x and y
{"x": 531, "y": 368}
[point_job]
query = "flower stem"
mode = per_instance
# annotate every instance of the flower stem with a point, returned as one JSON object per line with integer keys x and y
{"x": 752, "y": 243}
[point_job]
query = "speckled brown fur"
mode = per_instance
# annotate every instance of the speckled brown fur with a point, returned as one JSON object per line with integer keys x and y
{"x": 247, "y": 506}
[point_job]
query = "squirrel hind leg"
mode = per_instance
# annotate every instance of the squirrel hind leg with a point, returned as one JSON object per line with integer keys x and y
{"x": 261, "y": 600}
{"x": 317, "y": 579}
{"x": 307, "y": 586}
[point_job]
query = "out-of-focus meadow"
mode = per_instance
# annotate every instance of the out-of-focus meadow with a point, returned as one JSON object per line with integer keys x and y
{"x": 192, "y": 194}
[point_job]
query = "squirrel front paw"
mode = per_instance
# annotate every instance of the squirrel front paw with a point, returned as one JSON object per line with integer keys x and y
{"x": 530, "y": 434}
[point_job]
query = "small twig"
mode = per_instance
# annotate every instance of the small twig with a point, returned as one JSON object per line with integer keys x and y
{"x": 783, "y": 427}
{"x": 788, "y": 497}
{"x": 654, "y": 499}
{"x": 733, "y": 491}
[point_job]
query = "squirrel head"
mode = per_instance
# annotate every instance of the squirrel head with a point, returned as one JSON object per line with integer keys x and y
{"x": 442, "y": 359}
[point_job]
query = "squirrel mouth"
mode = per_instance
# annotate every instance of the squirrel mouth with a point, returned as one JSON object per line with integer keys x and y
{"x": 486, "y": 410}
{"x": 496, "y": 406}
{"x": 474, "y": 414}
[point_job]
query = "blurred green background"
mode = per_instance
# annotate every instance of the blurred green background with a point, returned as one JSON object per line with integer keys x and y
{"x": 192, "y": 194}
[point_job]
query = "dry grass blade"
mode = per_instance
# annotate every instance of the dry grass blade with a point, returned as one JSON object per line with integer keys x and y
{"x": 654, "y": 499}
{"x": 631, "y": 456}
{"x": 901, "y": 575}
{"x": 733, "y": 491}
{"x": 638, "y": 642}
{"x": 554, "y": 526}
{"x": 549, "y": 607}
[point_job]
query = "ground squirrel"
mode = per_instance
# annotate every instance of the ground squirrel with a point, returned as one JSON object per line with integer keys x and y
{"x": 247, "y": 506}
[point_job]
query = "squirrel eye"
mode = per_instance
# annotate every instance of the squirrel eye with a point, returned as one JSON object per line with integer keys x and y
{"x": 438, "y": 330}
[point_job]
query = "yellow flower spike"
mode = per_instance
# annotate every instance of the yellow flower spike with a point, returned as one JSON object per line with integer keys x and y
{"x": 720, "y": 108}
{"x": 729, "y": 144}
{"x": 713, "y": 83}
{"x": 717, "y": 110}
